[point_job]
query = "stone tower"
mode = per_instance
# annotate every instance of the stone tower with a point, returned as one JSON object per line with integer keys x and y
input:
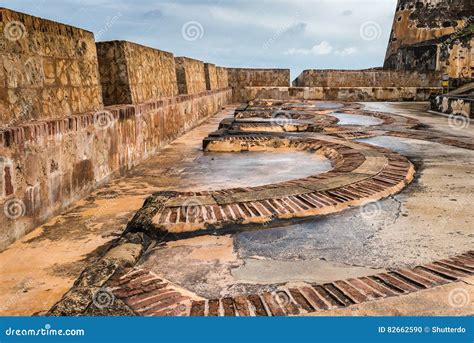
{"x": 433, "y": 35}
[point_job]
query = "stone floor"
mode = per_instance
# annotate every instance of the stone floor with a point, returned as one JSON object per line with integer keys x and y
{"x": 427, "y": 221}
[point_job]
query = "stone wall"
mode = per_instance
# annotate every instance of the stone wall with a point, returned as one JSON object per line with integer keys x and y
{"x": 222, "y": 78}
{"x": 47, "y": 69}
{"x": 367, "y": 78}
{"x": 57, "y": 140}
{"x": 239, "y": 78}
{"x": 433, "y": 35}
{"x": 349, "y": 94}
{"x": 211, "y": 76}
{"x": 48, "y": 165}
{"x": 132, "y": 73}
{"x": 456, "y": 105}
{"x": 190, "y": 75}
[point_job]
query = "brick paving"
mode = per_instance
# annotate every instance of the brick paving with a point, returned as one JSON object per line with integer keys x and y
{"x": 149, "y": 295}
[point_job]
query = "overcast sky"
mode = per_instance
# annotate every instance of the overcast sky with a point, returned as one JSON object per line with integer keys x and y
{"x": 295, "y": 34}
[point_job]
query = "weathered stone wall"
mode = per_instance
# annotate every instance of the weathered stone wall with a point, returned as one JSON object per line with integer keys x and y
{"x": 47, "y": 69}
{"x": 211, "y": 76}
{"x": 456, "y": 105}
{"x": 222, "y": 78}
{"x": 132, "y": 73}
{"x": 239, "y": 78}
{"x": 58, "y": 142}
{"x": 341, "y": 93}
{"x": 433, "y": 35}
{"x": 366, "y": 78}
{"x": 190, "y": 75}
{"x": 48, "y": 165}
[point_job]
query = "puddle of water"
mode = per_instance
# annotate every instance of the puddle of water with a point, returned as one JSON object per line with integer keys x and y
{"x": 327, "y": 105}
{"x": 251, "y": 169}
{"x": 355, "y": 119}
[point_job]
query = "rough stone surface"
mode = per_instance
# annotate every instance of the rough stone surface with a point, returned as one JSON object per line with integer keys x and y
{"x": 132, "y": 73}
{"x": 239, "y": 78}
{"x": 433, "y": 35}
{"x": 222, "y": 77}
{"x": 191, "y": 75}
{"x": 366, "y": 78}
{"x": 211, "y": 76}
{"x": 48, "y": 70}
{"x": 456, "y": 105}
{"x": 340, "y": 93}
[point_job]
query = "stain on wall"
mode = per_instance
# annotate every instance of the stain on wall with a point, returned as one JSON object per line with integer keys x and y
{"x": 433, "y": 35}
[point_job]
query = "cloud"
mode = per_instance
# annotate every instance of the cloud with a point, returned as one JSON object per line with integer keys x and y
{"x": 154, "y": 14}
{"x": 297, "y": 28}
{"x": 347, "y": 13}
{"x": 323, "y": 48}
{"x": 346, "y": 51}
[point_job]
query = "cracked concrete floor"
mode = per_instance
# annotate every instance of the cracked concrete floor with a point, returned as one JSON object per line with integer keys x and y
{"x": 404, "y": 230}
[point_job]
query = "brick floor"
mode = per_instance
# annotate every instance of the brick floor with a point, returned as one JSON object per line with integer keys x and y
{"x": 147, "y": 294}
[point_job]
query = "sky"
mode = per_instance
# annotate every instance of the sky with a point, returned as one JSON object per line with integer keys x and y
{"x": 295, "y": 34}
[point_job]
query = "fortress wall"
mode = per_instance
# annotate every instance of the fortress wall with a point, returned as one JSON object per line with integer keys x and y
{"x": 46, "y": 166}
{"x": 222, "y": 77}
{"x": 131, "y": 73}
{"x": 48, "y": 70}
{"x": 239, "y": 78}
{"x": 191, "y": 76}
{"x": 57, "y": 140}
{"x": 349, "y": 94}
{"x": 433, "y": 35}
{"x": 211, "y": 76}
{"x": 366, "y": 78}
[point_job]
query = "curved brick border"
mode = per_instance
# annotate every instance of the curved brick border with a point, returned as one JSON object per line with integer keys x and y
{"x": 149, "y": 295}
{"x": 361, "y": 174}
